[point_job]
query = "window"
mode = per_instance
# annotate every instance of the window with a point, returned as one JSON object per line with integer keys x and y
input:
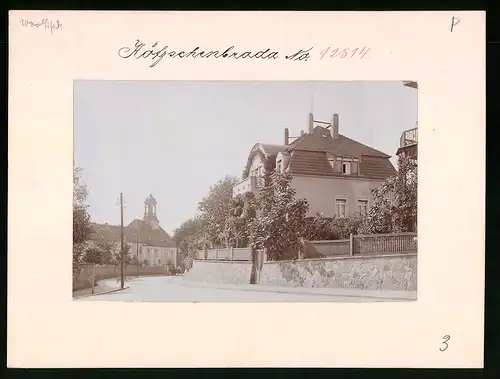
{"x": 346, "y": 168}
{"x": 363, "y": 206}
{"x": 278, "y": 165}
{"x": 340, "y": 207}
{"x": 331, "y": 160}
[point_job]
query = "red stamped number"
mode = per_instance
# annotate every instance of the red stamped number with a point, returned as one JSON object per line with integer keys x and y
{"x": 344, "y": 53}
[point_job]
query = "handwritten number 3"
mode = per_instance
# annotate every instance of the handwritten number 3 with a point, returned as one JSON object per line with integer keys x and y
{"x": 446, "y": 338}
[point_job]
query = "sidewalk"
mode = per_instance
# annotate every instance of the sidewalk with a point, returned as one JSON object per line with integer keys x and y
{"x": 345, "y": 292}
{"x": 103, "y": 286}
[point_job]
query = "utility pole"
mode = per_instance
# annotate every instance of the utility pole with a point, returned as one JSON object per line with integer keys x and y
{"x": 137, "y": 262}
{"x": 121, "y": 240}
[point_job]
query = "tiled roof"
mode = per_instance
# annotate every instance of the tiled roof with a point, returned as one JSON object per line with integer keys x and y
{"x": 322, "y": 140}
{"x": 377, "y": 168}
{"x": 309, "y": 156}
{"x": 306, "y": 162}
{"x": 147, "y": 235}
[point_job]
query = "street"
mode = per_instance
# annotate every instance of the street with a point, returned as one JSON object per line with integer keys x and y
{"x": 177, "y": 289}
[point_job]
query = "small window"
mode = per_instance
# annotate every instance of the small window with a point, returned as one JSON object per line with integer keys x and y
{"x": 279, "y": 166}
{"x": 340, "y": 207}
{"x": 346, "y": 168}
{"x": 363, "y": 206}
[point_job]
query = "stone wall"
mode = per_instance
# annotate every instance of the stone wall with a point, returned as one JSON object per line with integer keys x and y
{"x": 390, "y": 272}
{"x": 220, "y": 272}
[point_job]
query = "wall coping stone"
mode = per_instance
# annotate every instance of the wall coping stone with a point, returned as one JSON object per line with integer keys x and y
{"x": 344, "y": 257}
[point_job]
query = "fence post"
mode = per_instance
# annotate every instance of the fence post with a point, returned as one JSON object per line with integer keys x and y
{"x": 216, "y": 254}
{"x": 93, "y": 277}
{"x": 232, "y": 253}
{"x": 351, "y": 244}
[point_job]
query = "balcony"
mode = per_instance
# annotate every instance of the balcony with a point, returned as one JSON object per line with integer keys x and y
{"x": 408, "y": 141}
{"x": 250, "y": 184}
{"x": 409, "y": 137}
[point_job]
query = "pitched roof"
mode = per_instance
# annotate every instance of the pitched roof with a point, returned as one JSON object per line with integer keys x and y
{"x": 305, "y": 162}
{"x": 147, "y": 235}
{"x": 309, "y": 156}
{"x": 322, "y": 140}
{"x": 376, "y": 168}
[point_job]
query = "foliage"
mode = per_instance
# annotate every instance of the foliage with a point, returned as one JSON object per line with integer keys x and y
{"x": 242, "y": 210}
{"x": 189, "y": 239}
{"x": 79, "y": 251}
{"x": 214, "y": 211}
{"x": 81, "y": 218}
{"x": 280, "y": 220}
{"x": 394, "y": 207}
{"x": 321, "y": 228}
{"x": 318, "y": 228}
{"x": 93, "y": 255}
{"x": 114, "y": 249}
{"x": 342, "y": 228}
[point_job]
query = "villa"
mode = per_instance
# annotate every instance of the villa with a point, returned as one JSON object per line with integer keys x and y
{"x": 332, "y": 171}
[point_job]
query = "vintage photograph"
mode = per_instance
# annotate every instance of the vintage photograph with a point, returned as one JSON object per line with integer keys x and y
{"x": 245, "y": 191}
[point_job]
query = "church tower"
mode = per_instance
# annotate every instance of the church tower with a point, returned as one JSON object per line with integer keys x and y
{"x": 150, "y": 212}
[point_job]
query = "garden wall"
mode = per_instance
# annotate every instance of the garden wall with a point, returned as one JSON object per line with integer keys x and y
{"x": 385, "y": 272}
{"x": 220, "y": 272}
{"x": 82, "y": 273}
{"x": 390, "y": 272}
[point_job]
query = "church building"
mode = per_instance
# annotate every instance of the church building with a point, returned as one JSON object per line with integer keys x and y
{"x": 149, "y": 243}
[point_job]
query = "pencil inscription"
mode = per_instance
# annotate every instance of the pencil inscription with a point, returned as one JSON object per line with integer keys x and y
{"x": 44, "y": 23}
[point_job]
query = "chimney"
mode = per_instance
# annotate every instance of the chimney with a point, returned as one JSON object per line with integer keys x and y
{"x": 335, "y": 126}
{"x": 287, "y": 136}
{"x": 310, "y": 122}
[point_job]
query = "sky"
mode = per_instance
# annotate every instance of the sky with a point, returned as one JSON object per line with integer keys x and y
{"x": 176, "y": 139}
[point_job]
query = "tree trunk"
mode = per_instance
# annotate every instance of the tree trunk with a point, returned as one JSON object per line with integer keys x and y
{"x": 254, "y": 273}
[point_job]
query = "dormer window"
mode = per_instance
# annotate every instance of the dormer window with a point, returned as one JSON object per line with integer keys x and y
{"x": 346, "y": 168}
{"x": 344, "y": 165}
{"x": 333, "y": 164}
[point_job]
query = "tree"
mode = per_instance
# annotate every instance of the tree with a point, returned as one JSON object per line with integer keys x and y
{"x": 108, "y": 250}
{"x": 214, "y": 211}
{"x": 189, "y": 239}
{"x": 81, "y": 218}
{"x": 280, "y": 221}
{"x": 394, "y": 207}
{"x": 94, "y": 255}
{"x": 242, "y": 211}
{"x": 117, "y": 255}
